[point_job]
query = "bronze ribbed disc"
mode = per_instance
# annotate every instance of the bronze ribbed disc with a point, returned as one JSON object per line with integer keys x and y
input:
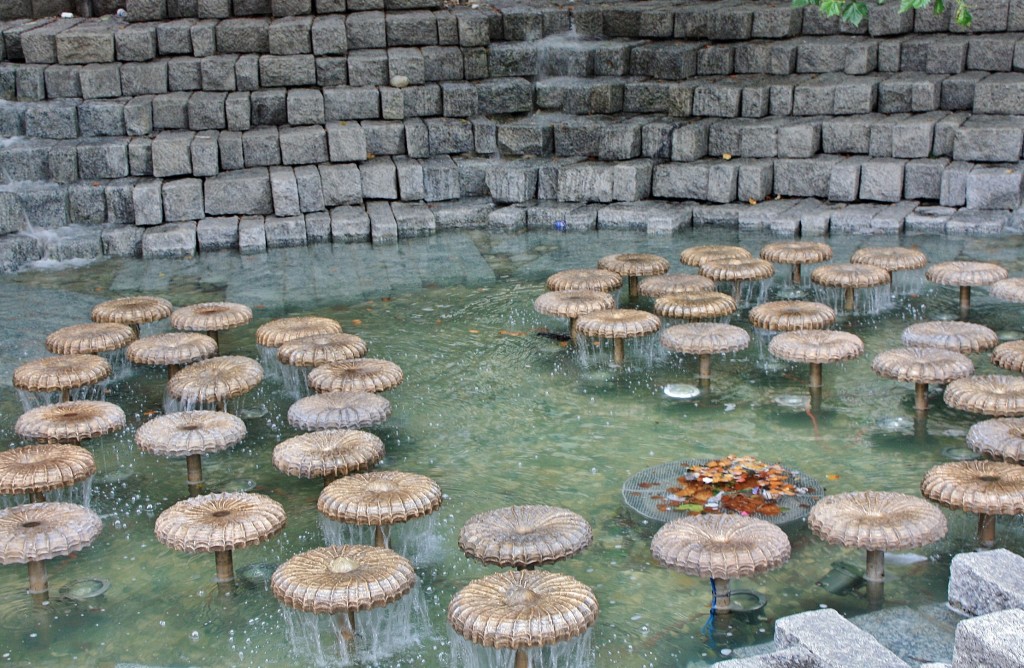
{"x": 796, "y": 252}
{"x": 695, "y": 306}
{"x": 42, "y": 468}
{"x": 674, "y": 284}
{"x": 360, "y": 375}
{"x": 890, "y": 258}
{"x": 341, "y": 578}
{"x": 850, "y": 276}
{"x": 70, "y": 421}
{"x": 618, "y": 324}
{"x": 602, "y": 280}
{"x": 525, "y": 536}
{"x": 738, "y": 269}
{"x": 190, "y": 433}
{"x": 1008, "y": 289}
{"x": 720, "y": 546}
{"x": 89, "y": 338}
{"x": 215, "y": 379}
{"x": 963, "y": 337}
{"x": 219, "y": 522}
{"x": 989, "y": 488}
{"x": 379, "y": 498}
{"x": 42, "y": 531}
{"x": 994, "y": 395}
{"x": 922, "y": 365}
{"x": 791, "y": 315}
{"x": 572, "y": 303}
{"x": 272, "y": 334}
{"x": 878, "y": 521}
{"x": 332, "y": 452}
{"x": 816, "y": 346}
{"x": 1009, "y": 356}
{"x": 171, "y": 349}
{"x": 965, "y": 273}
{"x": 704, "y": 338}
{"x": 320, "y": 349}
{"x": 339, "y": 410}
{"x": 210, "y": 316}
{"x": 132, "y": 310}
{"x": 695, "y": 256}
{"x": 634, "y": 264}
{"x": 998, "y": 438}
{"x": 61, "y": 372}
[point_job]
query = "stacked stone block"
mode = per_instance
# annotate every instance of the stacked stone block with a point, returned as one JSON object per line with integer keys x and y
{"x": 195, "y": 125}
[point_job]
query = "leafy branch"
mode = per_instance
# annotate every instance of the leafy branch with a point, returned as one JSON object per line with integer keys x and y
{"x": 855, "y": 11}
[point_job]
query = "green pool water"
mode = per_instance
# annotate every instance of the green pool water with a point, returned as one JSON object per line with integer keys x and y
{"x": 497, "y": 415}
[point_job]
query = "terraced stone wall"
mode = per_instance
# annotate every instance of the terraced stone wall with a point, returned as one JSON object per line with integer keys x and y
{"x": 189, "y": 126}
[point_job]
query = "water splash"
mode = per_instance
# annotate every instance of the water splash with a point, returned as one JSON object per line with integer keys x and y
{"x": 576, "y": 653}
{"x": 418, "y": 540}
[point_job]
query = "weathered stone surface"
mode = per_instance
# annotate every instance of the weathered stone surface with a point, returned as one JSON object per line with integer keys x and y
{"x": 169, "y": 240}
{"x": 183, "y": 199}
{"x": 252, "y": 235}
{"x": 383, "y": 226}
{"x": 833, "y": 641}
{"x": 985, "y": 582}
{"x": 341, "y": 184}
{"x": 413, "y": 220}
{"x": 992, "y": 640}
{"x": 215, "y": 234}
{"x": 349, "y": 224}
{"x": 285, "y": 232}
{"x": 994, "y": 188}
{"x": 241, "y": 192}
{"x": 17, "y": 250}
{"x": 121, "y": 240}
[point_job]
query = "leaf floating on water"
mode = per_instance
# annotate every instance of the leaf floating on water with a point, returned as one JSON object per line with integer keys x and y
{"x": 474, "y": 331}
{"x": 357, "y": 322}
{"x": 832, "y": 476}
{"x": 506, "y": 332}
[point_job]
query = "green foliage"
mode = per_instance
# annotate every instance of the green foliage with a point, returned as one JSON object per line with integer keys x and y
{"x": 855, "y": 11}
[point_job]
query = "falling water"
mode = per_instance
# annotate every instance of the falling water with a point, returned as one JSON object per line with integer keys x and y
{"x": 380, "y": 633}
{"x": 295, "y": 380}
{"x": 563, "y": 56}
{"x": 30, "y": 400}
{"x": 268, "y": 360}
{"x": 908, "y": 283}
{"x": 867, "y": 301}
{"x": 417, "y": 540}
{"x": 79, "y": 493}
{"x": 576, "y": 653}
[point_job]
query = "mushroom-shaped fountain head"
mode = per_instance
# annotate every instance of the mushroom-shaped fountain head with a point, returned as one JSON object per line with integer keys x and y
{"x": 704, "y": 339}
{"x": 963, "y": 337}
{"x": 61, "y": 373}
{"x": 341, "y": 579}
{"x": 311, "y": 351}
{"x": 379, "y": 499}
{"x": 720, "y": 548}
{"x": 602, "y": 280}
{"x": 211, "y": 317}
{"x": 215, "y": 380}
{"x": 190, "y": 434}
{"x": 1009, "y": 356}
{"x": 737, "y": 271}
{"x": 791, "y": 315}
{"x": 90, "y": 338}
{"x": 525, "y": 536}
{"x": 816, "y": 347}
{"x": 922, "y": 366}
{"x": 328, "y": 454}
{"x": 634, "y": 265}
{"x": 34, "y": 533}
{"x": 220, "y": 523}
{"x": 675, "y": 284}
{"x": 36, "y": 469}
{"x": 982, "y": 487}
{"x": 878, "y": 522}
{"x": 70, "y": 421}
{"x": 618, "y": 324}
{"x": 999, "y": 438}
{"x": 1009, "y": 290}
{"x": 172, "y": 350}
{"x": 796, "y": 253}
{"x": 965, "y": 275}
{"x": 518, "y": 610}
{"x": 993, "y": 395}
{"x": 695, "y": 305}
{"x": 359, "y": 375}
{"x": 695, "y": 256}
{"x": 339, "y": 410}
{"x": 272, "y": 334}
{"x": 132, "y": 311}
{"x": 572, "y": 304}
{"x": 849, "y": 277}
{"x": 890, "y": 258}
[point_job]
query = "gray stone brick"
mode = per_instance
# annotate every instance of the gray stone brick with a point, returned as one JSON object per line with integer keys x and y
{"x": 305, "y": 106}
{"x": 318, "y": 227}
{"x": 384, "y": 137}
{"x": 973, "y": 222}
{"x": 309, "y": 188}
{"x": 62, "y": 81}
{"x": 410, "y": 179}
{"x": 365, "y": 30}
{"x": 183, "y": 199}
{"x": 140, "y": 156}
{"x": 505, "y": 96}
{"x": 1000, "y": 93}
{"x": 285, "y": 232}
{"x": 953, "y": 190}
{"x": 804, "y": 178}
{"x": 135, "y": 42}
{"x": 214, "y": 234}
{"x": 753, "y": 180}
{"x": 204, "y": 38}
{"x": 252, "y": 235}
{"x": 247, "y": 72}
{"x": 991, "y": 53}
{"x": 30, "y": 82}
{"x": 383, "y": 226}
{"x": 856, "y": 95}
{"x": 174, "y": 38}
{"x": 927, "y": 220}
{"x": 88, "y": 42}
{"x": 229, "y": 148}
{"x": 346, "y": 142}
{"x": 169, "y": 240}
{"x": 669, "y": 61}
{"x": 205, "y": 152}
{"x": 681, "y": 180}
{"x": 100, "y": 118}
{"x": 368, "y": 67}
{"x": 799, "y": 140}
{"x": 379, "y": 179}
{"x": 988, "y": 139}
{"x": 958, "y": 91}
{"x": 170, "y": 111}
{"x": 103, "y": 158}
{"x": 218, "y": 73}
{"x": 290, "y": 36}
{"x": 341, "y": 184}
{"x": 144, "y": 78}
{"x": 350, "y": 224}
{"x": 303, "y": 145}
{"x": 844, "y": 179}
{"x": 341, "y": 104}
{"x": 298, "y": 70}
{"x": 39, "y": 44}
{"x": 474, "y": 63}
{"x": 121, "y": 240}
{"x": 331, "y": 71}
{"x": 922, "y": 179}
{"x": 206, "y": 111}
{"x": 329, "y": 37}
{"x": 269, "y": 107}
{"x": 440, "y": 179}
{"x": 52, "y": 121}
{"x": 914, "y": 136}
{"x": 100, "y": 80}
{"x": 413, "y": 220}
{"x": 243, "y": 35}
{"x": 449, "y": 135}
{"x": 119, "y": 196}
{"x": 147, "y": 203}
{"x": 238, "y": 111}
{"x": 464, "y": 214}
{"x": 882, "y": 180}
{"x": 945, "y": 133}
{"x": 508, "y": 218}
{"x": 417, "y": 138}
{"x": 87, "y": 205}
{"x": 172, "y": 154}
{"x": 994, "y": 188}
{"x": 240, "y": 192}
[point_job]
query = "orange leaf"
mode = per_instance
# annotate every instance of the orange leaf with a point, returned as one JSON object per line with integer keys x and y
{"x": 474, "y": 331}
{"x": 357, "y": 322}
{"x": 832, "y": 476}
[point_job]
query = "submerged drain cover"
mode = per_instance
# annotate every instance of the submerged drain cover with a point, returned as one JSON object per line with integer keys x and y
{"x": 639, "y": 489}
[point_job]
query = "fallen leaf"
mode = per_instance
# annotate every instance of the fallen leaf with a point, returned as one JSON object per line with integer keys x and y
{"x": 474, "y": 331}
{"x": 727, "y": 156}
{"x": 832, "y": 476}
{"x": 357, "y": 322}
{"x": 751, "y": 201}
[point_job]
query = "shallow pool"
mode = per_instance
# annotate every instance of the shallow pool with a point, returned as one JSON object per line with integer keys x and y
{"x": 497, "y": 415}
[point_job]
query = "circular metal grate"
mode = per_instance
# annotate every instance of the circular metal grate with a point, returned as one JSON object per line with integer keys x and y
{"x": 639, "y": 489}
